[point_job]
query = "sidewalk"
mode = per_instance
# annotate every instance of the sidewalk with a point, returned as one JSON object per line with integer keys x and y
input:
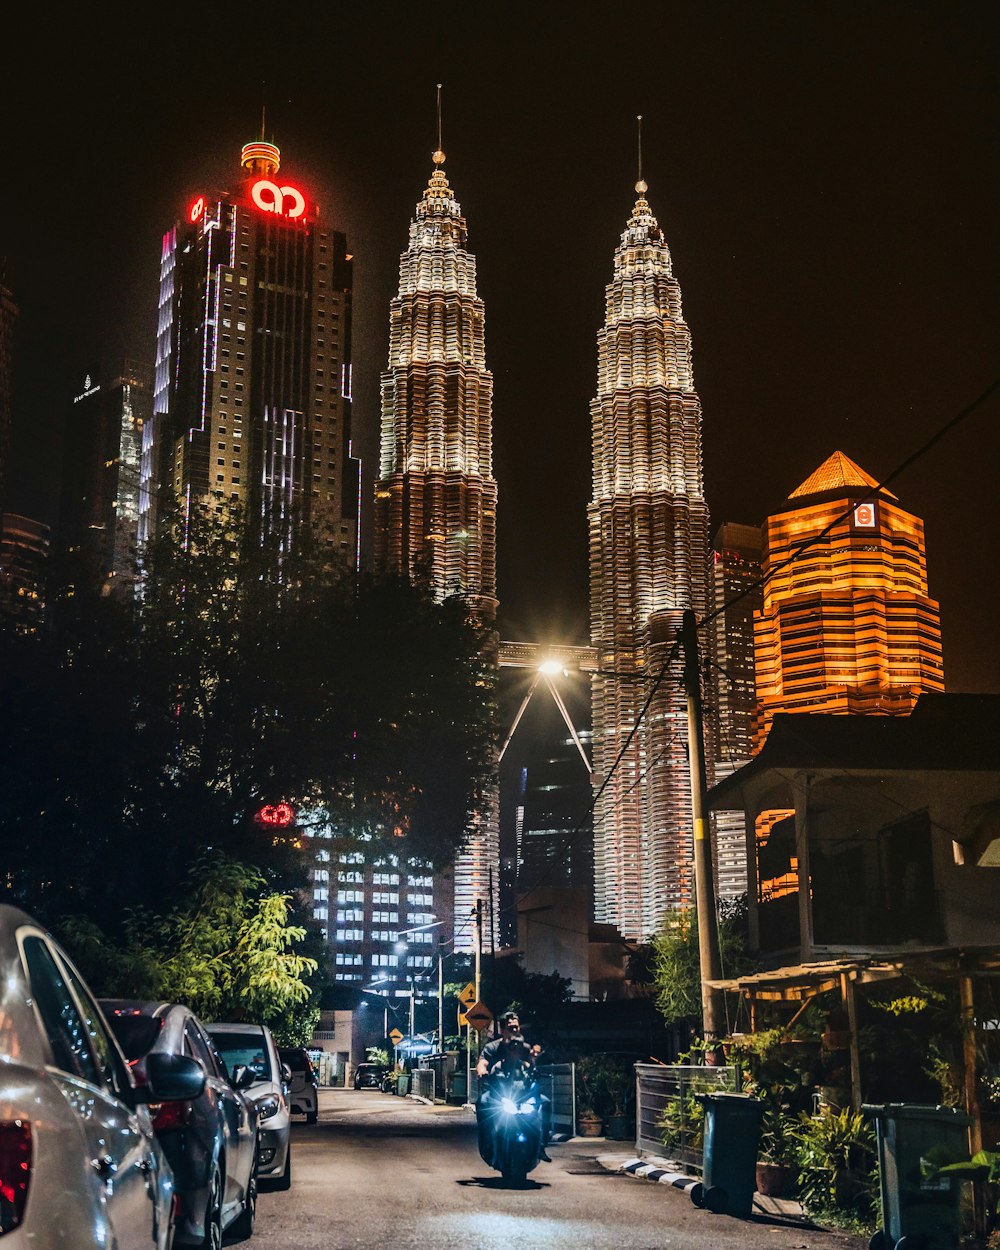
{"x": 663, "y": 1172}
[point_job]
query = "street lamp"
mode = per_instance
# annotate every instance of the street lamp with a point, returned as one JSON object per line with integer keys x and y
{"x": 401, "y": 948}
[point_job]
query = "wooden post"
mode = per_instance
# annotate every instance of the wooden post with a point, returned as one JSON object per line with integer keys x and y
{"x": 847, "y": 997}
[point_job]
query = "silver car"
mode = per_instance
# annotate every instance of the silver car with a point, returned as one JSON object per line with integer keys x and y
{"x": 81, "y": 1163}
{"x": 211, "y": 1141}
{"x": 252, "y": 1047}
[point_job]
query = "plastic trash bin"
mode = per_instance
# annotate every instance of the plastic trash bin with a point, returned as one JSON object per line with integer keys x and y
{"x": 920, "y": 1209}
{"x": 732, "y": 1135}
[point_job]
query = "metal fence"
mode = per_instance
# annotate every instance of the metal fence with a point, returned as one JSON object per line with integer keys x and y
{"x": 669, "y": 1119}
{"x": 558, "y": 1083}
{"x": 422, "y": 1083}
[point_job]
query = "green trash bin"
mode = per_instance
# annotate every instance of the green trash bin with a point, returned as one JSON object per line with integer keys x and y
{"x": 920, "y": 1209}
{"x": 403, "y": 1084}
{"x": 732, "y": 1135}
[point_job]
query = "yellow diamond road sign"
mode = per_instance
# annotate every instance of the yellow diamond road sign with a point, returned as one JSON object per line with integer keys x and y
{"x": 396, "y": 1037}
{"x": 479, "y": 1016}
{"x": 468, "y": 995}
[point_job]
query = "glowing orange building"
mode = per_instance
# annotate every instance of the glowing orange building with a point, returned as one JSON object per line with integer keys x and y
{"x": 847, "y": 625}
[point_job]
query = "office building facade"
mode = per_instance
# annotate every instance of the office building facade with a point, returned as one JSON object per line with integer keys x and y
{"x": 252, "y": 386}
{"x": 95, "y": 548}
{"x": 8, "y": 323}
{"x": 736, "y": 595}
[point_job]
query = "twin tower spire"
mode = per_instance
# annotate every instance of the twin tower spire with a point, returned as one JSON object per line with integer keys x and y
{"x": 435, "y": 520}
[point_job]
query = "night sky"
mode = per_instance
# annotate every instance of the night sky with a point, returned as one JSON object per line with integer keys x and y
{"x": 826, "y": 177}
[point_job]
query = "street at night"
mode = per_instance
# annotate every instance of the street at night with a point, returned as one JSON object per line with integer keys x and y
{"x": 384, "y": 1171}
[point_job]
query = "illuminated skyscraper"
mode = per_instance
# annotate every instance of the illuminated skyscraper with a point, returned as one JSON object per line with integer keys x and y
{"x": 736, "y": 595}
{"x": 436, "y": 497}
{"x": 252, "y": 392}
{"x": 847, "y": 626}
{"x": 24, "y": 550}
{"x": 95, "y": 545}
{"x": 8, "y": 319}
{"x": 648, "y": 526}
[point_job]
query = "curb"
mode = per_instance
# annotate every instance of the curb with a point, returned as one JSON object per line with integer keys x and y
{"x": 649, "y": 1172}
{"x": 659, "y": 1170}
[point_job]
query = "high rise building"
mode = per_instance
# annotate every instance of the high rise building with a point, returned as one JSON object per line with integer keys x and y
{"x": 847, "y": 625}
{"x": 436, "y": 497}
{"x": 252, "y": 388}
{"x": 648, "y": 524}
{"x": 736, "y": 595}
{"x": 8, "y": 320}
{"x": 24, "y": 549}
{"x": 95, "y": 548}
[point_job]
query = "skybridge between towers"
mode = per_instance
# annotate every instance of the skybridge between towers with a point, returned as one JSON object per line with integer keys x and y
{"x": 548, "y": 663}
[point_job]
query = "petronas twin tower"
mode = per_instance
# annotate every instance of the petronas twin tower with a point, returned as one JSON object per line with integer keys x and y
{"x": 435, "y": 520}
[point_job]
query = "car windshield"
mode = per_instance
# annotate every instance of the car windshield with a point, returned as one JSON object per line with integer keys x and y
{"x": 243, "y": 1049}
{"x": 135, "y": 1033}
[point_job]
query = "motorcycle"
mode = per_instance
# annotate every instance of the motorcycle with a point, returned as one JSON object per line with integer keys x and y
{"x": 511, "y": 1138}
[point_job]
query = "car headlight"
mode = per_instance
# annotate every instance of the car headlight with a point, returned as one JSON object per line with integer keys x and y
{"x": 267, "y": 1106}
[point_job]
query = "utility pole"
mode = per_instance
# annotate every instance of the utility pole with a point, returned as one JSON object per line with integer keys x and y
{"x": 440, "y": 993}
{"x": 704, "y": 877}
{"x": 479, "y": 947}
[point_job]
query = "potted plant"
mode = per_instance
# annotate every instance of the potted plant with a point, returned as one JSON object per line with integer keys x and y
{"x": 589, "y": 1123}
{"x": 592, "y": 1088}
{"x": 775, "y": 1154}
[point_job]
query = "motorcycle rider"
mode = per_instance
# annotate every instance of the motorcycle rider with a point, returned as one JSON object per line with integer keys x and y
{"x": 508, "y": 1053}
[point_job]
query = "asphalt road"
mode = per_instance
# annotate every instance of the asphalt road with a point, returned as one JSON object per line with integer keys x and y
{"x": 379, "y": 1171}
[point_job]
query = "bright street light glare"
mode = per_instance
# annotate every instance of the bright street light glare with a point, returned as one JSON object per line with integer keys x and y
{"x": 551, "y": 668}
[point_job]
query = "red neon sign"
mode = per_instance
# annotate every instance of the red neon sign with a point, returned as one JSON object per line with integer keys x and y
{"x": 277, "y": 815}
{"x": 198, "y": 208}
{"x": 285, "y": 201}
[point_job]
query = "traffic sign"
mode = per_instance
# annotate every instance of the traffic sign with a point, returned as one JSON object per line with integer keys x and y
{"x": 468, "y": 996}
{"x": 463, "y": 1019}
{"x": 479, "y": 1016}
{"x": 396, "y": 1037}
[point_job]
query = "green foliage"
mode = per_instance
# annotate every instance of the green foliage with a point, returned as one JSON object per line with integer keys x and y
{"x": 231, "y": 953}
{"x": 676, "y": 961}
{"x": 378, "y": 1054}
{"x": 605, "y": 1084}
{"x": 837, "y": 1166}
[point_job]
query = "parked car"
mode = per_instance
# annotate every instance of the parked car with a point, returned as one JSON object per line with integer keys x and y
{"x": 370, "y": 1075}
{"x": 252, "y": 1046}
{"x": 211, "y": 1140}
{"x": 303, "y": 1092}
{"x": 80, "y": 1164}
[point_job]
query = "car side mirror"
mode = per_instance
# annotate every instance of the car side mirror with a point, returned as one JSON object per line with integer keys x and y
{"x": 286, "y": 1074}
{"x": 243, "y": 1076}
{"x": 172, "y": 1078}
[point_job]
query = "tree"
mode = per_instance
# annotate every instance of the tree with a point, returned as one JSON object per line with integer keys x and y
{"x": 247, "y": 673}
{"x": 231, "y": 953}
{"x": 676, "y": 961}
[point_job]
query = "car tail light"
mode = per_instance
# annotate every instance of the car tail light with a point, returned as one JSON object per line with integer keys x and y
{"x": 168, "y": 1115}
{"x": 15, "y": 1171}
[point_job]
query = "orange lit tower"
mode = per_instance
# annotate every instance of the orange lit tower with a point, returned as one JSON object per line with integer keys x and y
{"x": 436, "y": 497}
{"x": 252, "y": 385}
{"x": 648, "y": 524}
{"x": 847, "y": 626}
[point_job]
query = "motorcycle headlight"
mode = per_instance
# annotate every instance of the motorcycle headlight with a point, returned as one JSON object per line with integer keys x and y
{"x": 526, "y": 1108}
{"x": 508, "y": 1105}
